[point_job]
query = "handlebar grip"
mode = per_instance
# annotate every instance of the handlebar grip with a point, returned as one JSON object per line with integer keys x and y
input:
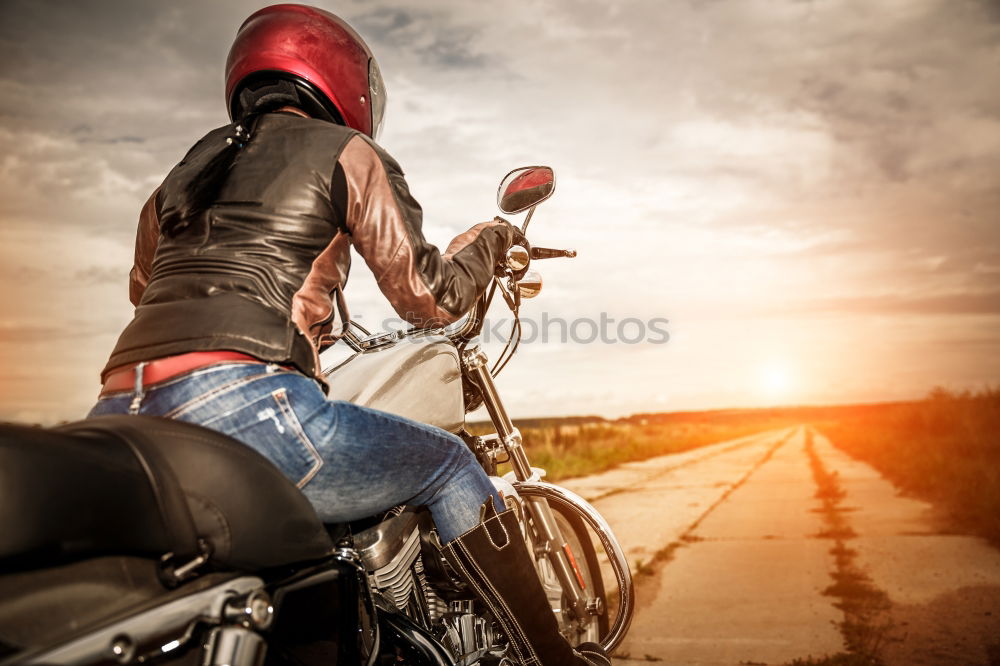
{"x": 550, "y": 253}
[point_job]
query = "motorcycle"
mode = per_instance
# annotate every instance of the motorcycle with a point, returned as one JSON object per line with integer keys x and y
{"x": 135, "y": 540}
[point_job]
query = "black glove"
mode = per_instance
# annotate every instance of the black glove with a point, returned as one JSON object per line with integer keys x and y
{"x": 519, "y": 239}
{"x": 514, "y": 235}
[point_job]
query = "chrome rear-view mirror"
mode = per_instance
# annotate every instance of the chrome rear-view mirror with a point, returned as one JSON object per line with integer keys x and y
{"x": 525, "y": 187}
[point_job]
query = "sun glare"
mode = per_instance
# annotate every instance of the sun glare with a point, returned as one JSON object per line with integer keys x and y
{"x": 775, "y": 380}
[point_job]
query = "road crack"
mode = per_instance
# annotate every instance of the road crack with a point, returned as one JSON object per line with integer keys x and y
{"x": 866, "y": 626}
{"x": 751, "y": 439}
{"x": 665, "y": 554}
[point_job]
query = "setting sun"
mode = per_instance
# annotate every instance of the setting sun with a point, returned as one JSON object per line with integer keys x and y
{"x": 775, "y": 379}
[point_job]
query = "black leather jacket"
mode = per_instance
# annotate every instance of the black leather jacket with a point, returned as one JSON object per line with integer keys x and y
{"x": 262, "y": 269}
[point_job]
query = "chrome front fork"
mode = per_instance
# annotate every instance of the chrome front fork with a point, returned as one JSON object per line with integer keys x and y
{"x": 550, "y": 538}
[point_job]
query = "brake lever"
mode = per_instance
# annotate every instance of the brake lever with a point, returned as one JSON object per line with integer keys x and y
{"x": 550, "y": 253}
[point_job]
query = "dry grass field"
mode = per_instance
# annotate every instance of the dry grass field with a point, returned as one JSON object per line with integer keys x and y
{"x": 578, "y": 446}
{"x": 944, "y": 449}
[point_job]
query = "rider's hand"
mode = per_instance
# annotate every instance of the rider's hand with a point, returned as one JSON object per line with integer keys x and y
{"x": 517, "y": 238}
{"x": 514, "y": 235}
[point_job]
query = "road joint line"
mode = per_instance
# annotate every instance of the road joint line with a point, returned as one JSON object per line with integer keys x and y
{"x": 663, "y": 472}
{"x": 664, "y": 555}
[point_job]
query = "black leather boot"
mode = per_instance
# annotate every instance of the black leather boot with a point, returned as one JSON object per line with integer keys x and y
{"x": 493, "y": 560}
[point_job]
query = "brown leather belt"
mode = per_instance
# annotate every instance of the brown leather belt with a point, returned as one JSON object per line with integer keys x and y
{"x": 162, "y": 369}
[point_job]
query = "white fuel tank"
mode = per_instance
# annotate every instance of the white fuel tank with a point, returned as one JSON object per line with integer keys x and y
{"x": 417, "y": 378}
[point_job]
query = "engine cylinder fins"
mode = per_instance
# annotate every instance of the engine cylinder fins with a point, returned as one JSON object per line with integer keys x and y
{"x": 396, "y": 580}
{"x": 436, "y": 606}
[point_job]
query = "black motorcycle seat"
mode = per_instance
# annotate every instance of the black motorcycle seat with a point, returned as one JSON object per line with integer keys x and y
{"x": 148, "y": 486}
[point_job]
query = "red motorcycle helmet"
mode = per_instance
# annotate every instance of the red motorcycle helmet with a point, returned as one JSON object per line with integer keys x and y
{"x": 311, "y": 56}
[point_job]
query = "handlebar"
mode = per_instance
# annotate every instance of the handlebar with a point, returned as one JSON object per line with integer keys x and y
{"x": 468, "y": 328}
{"x": 550, "y": 253}
{"x": 473, "y": 322}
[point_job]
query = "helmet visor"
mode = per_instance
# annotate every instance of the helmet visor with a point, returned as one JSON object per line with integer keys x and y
{"x": 376, "y": 92}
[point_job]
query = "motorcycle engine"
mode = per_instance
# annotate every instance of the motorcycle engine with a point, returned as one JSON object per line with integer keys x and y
{"x": 392, "y": 554}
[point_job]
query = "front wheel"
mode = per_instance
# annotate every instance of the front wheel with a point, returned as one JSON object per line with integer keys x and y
{"x": 581, "y": 549}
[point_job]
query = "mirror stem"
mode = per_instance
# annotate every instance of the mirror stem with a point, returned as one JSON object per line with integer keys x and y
{"x": 524, "y": 227}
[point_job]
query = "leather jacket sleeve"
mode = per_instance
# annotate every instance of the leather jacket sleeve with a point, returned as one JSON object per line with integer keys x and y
{"x": 146, "y": 237}
{"x": 424, "y": 286}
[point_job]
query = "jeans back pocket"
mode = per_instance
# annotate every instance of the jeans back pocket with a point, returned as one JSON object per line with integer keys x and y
{"x": 267, "y": 423}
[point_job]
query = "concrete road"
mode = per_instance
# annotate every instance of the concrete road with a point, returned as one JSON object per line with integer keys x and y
{"x": 734, "y": 568}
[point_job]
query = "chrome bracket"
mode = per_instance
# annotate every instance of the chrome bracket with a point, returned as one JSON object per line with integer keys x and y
{"x": 493, "y": 447}
{"x": 474, "y": 358}
{"x": 234, "y": 646}
{"x": 513, "y": 441}
{"x": 596, "y": 606}
{"x": 178, "y": 574}
{"x": 251, "y": 611}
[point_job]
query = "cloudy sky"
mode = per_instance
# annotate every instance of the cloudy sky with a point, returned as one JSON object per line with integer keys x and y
{"x": 809, "y": 191}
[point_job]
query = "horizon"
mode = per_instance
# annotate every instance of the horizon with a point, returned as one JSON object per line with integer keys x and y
{"x": 555, "y": 417}
{"x": 838, "y": 405}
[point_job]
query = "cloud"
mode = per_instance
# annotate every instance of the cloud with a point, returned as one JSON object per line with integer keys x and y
{"x": 93, "y": 275}
{"x": 115, "y": 139}
{"x": 959, "y": 303}
{"x": 55, "y": 181}
{"x": 430, "y": 35}
{"x": 32, "y": 333}
{"x": 895, "y": 89}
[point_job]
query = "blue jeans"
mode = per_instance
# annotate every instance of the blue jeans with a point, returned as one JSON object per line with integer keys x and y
{"x": 351, "y": 462}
